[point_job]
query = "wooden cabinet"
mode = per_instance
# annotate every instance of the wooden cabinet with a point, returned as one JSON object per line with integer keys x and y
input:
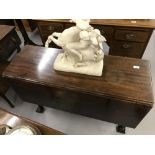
{"x": 123, "y": 37}
{"x": 129, "y": 42}
{"x": 9, "y": 42}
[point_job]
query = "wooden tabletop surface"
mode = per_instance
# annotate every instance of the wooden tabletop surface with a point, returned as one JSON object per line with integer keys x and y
{"x": 143, "y": 23}
{"x": 4, "y": 30}
{"x": 119, "y": 80}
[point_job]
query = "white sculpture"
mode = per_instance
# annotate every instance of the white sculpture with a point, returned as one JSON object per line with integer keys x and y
{"x": 83, "y": 50}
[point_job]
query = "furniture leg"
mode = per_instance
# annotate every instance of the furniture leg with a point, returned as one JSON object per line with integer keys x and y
{"x": 120, "y": 129}
{"x": 32, "y": 24}
{"x": 40, "y": 109}
{"x": 9, "y": 102}
{"x": 24, "y": 33}
{"x": 16, "y": 44}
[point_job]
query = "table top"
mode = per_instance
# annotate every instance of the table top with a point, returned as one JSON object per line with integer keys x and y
{"x": 119, "y": 80}
{"x": 4, "y": 30}
{"x": 7, "y": 117}
{"x": 143, "y": 23}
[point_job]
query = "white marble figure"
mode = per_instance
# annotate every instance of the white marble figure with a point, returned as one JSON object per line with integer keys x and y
{"x": 82, "y": 46}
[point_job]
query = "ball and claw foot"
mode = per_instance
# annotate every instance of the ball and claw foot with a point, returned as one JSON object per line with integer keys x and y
{"x": 40, "y": 109}
{"x": 120, "y": 129}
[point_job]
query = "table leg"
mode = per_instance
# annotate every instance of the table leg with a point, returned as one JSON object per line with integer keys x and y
{"x": 120, "y": 128}
{"x": 40, "y": 109}
{"x": 24, "y": 33}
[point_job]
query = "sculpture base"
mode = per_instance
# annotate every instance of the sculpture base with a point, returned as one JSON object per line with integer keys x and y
{"x": 61, "y": 64}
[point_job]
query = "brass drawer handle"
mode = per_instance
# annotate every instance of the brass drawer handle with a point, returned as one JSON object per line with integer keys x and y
{"x": 126, "y": 46}
{"x": 130, "y": 36}
{"x": 50, "y": 28}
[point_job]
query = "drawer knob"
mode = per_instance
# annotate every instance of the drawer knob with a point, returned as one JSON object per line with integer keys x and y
{"x": 130, "y": 36}
{"x": 126, "y": 46}
{"x": 50, "y": 28}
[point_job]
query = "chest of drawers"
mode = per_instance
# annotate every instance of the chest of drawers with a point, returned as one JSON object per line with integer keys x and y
{"x": 130, "y": 42}
{"x": 123, "y": 37}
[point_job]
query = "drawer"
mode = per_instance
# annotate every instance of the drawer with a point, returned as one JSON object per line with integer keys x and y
{"x": 68, "y": 25}
{"x": 106, "y": 31}
{"x": 50, "y": 28}
{"x": 128, "y": 49}
{"x": 137, "y": 36}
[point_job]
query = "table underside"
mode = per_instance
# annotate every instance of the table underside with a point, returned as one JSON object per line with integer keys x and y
{"x": 116, "y": 111}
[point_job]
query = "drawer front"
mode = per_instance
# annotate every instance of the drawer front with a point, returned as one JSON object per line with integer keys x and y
{"x": 106, "y": 31}
{"x": 128, "y": 49}
{"x": 137, "y": 36}
{"x": 50, "y": 28}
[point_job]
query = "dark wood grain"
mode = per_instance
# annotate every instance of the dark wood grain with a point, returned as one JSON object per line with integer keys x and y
{"x": 9, "y": 42}
{"x": 126, "y": 113}
{"x": 5, "y": 30}
{"x": 12, "y": 120}
{"x": 4, "y": 85}
{"x": 119, "y": 79}
{"x": 126, "y": 48}
{"x": 122, "y": 95}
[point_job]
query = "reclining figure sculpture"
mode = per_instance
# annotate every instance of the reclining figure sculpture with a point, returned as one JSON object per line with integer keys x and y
{"x": 82, "y": 49}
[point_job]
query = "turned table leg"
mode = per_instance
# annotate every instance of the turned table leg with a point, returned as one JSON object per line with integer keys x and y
{"x": 120, "y": 129}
